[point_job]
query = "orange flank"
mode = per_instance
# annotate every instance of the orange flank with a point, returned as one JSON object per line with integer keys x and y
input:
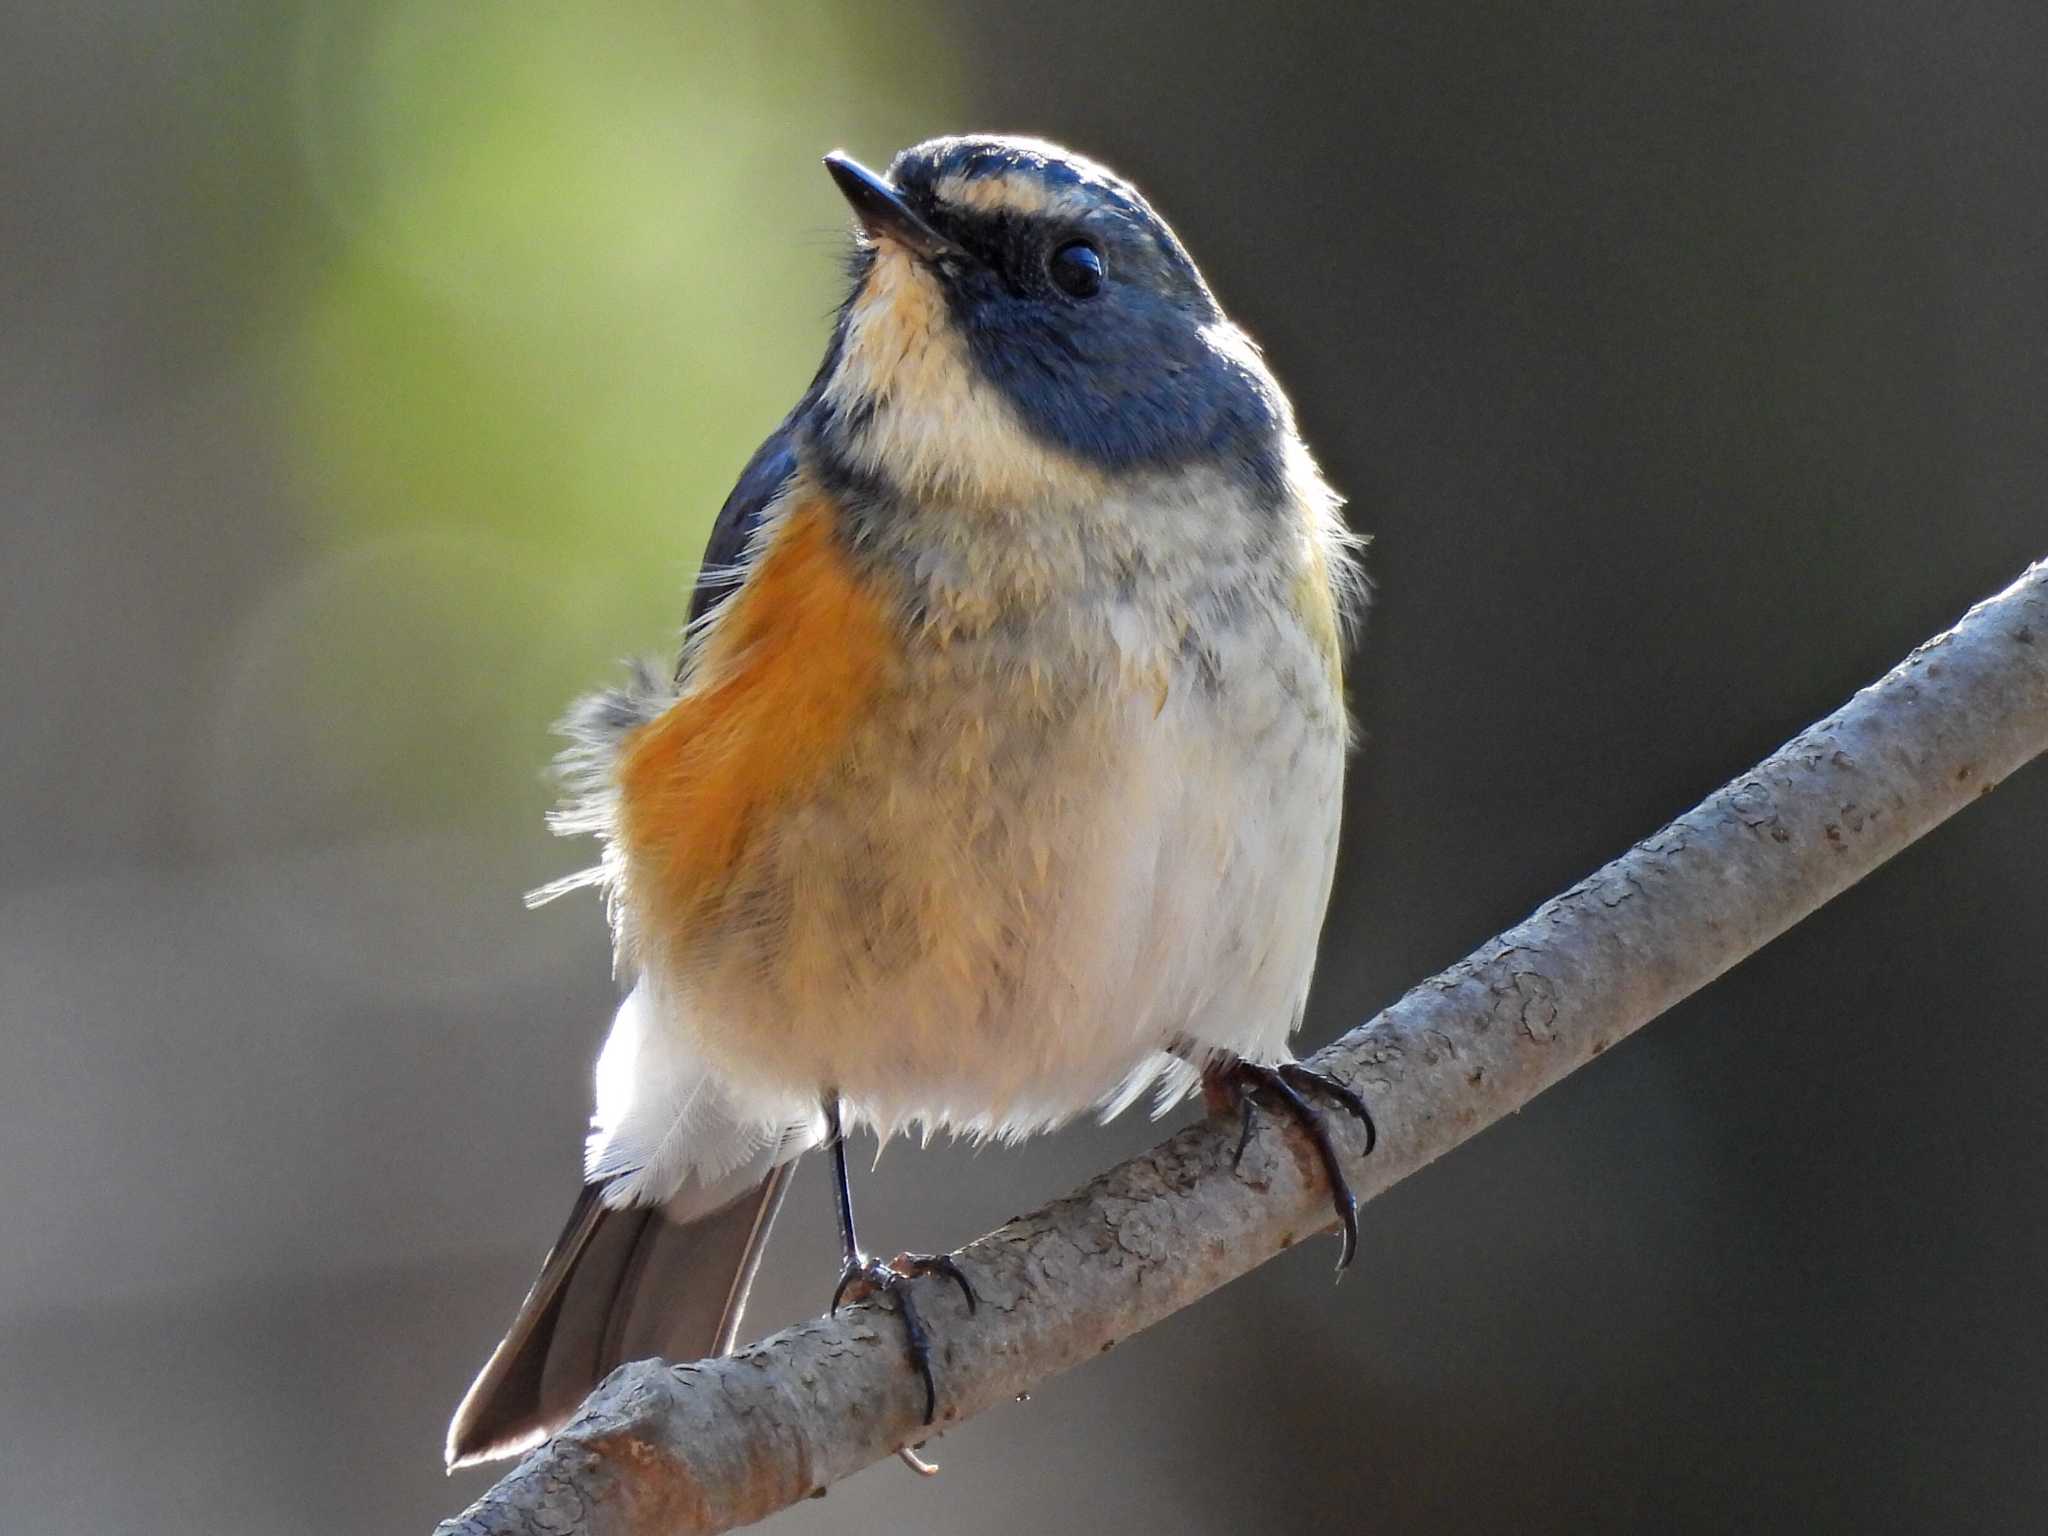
{"x": 788, "y": 671}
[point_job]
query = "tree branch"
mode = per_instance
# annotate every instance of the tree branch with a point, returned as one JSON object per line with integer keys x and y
{"x": 719, "y": 1443}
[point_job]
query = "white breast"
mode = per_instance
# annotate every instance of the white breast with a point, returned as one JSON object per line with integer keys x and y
{"x": 1007, "y": 908}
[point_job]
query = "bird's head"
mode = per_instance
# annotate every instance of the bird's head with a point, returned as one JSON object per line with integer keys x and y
{"x": 1022, "y": 324}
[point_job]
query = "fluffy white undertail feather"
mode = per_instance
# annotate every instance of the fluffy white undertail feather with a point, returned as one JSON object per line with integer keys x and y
{"x": 664, "y": 1119}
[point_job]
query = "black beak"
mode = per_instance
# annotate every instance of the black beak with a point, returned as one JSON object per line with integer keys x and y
{"x": 881, "y": 210}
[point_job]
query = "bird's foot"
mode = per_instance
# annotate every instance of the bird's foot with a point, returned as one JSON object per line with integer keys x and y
{"x": 864, "y": 1277}
{"x": 1241, "y": 1081}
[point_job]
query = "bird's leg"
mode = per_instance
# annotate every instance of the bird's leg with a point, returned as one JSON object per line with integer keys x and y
{"x": 1235, "y": 1083}
{"x": 861, "y": 1277}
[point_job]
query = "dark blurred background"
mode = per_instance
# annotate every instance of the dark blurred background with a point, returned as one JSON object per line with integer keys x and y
{"x": 368, "y": 376}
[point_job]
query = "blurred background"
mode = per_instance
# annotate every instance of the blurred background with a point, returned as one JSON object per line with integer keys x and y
{"x": 368, "y": 378}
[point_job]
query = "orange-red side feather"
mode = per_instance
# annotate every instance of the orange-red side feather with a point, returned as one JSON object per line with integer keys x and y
{"x": 789, "y": 670}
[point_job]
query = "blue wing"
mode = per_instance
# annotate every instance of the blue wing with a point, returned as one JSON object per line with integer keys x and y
{"x": 767, "y": 472}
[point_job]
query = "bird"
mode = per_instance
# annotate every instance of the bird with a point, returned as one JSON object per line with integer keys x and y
{"x": 1000, "y": 777}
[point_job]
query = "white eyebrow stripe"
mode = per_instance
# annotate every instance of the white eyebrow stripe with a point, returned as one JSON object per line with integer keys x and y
{"x": 1015, "y": 192}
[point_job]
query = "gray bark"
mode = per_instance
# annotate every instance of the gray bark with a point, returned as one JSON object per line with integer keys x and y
{"x": 719, "y": 1443}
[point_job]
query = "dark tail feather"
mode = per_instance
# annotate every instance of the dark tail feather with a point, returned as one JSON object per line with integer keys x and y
{"x": 617, "y": 1286}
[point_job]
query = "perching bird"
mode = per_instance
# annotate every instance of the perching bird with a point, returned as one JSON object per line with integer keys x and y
{"x": 1000, "y": 776}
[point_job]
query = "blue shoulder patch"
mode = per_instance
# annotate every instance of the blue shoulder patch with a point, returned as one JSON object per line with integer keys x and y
{"x": 767, "y": 472}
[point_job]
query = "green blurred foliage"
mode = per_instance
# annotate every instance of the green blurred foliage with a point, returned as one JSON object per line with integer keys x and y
{"x": 573, "y": 263}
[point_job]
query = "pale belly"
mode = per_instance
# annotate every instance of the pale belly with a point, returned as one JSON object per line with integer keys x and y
{"x": 1000, "y": 911}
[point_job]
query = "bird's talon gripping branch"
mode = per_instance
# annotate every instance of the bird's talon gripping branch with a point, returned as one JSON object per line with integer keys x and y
{"x": 1242, "y": 1080}
{"x": 861, "y": 1281}
{"x": 1347, "y": 1098}
{"x": 938, "y": 1264}
{"x": 864, "y": 1278}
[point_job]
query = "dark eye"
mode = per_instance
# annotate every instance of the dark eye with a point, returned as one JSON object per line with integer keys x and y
{"x": 1076, "y": 269}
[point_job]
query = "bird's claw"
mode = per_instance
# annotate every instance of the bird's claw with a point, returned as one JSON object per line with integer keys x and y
{"x": 864, "y": 1278}
{"x": 1288, "y": 1082}
{"x": 1348, "y": 1099}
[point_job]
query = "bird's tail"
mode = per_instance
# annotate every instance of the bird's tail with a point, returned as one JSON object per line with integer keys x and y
{"x": 618, "y": 1285}
{"x": 684, "y": 1178}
